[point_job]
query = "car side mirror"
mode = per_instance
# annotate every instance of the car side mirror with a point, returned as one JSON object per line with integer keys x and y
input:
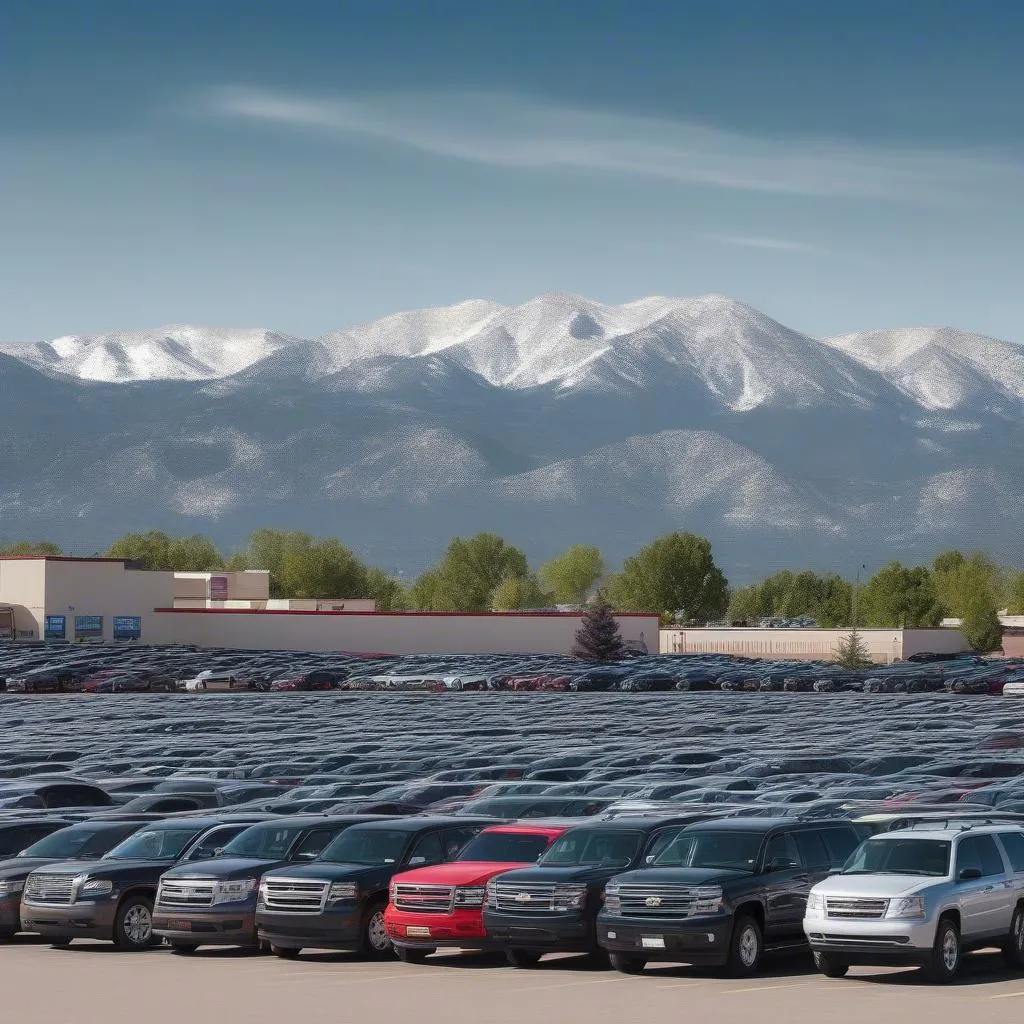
{"x": 969, "y": 874}
{"x": 413, "y": 861}
{"x": 218, "y": 851}
{"x": 649, "y": 859}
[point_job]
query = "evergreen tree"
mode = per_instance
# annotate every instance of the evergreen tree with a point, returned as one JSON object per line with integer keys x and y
{"x": 598, "y": 638}
{"x": 852, "y": 651}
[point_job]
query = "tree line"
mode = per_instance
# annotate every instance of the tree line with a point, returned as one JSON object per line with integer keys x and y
{"x": 675, "y": 576}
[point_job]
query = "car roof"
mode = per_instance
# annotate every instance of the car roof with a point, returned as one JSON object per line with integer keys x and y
{"x": 948, "y": 833}
{"x": 200, "y": 824}
{"x": 312, "y": 820}
{"x": 519, "y": 828}
{"x": 632, "y": 823}
{"x": 762, "y": 824}
{"x": 419, "y": 824}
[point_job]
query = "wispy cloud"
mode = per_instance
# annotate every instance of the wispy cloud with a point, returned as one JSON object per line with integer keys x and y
{"x": 514, "y": 132}
{"x": 759, "y": 242}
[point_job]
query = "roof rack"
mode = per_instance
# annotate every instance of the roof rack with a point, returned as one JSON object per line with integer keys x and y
{"x": 961, "y": 824}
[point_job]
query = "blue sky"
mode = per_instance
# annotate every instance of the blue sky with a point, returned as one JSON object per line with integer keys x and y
{"x": 307, "y": 165}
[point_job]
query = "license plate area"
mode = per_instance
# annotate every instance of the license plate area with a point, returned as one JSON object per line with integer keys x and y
{"x": 415, "y": 931}
{"x": 179, "y": 926}
{"x": 652, "y": 942}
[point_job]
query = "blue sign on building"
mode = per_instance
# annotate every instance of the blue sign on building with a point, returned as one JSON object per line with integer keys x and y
{"x": 88, "y": 627}
{"x": 55, "y": 627}
{"x": 127, "y": 627}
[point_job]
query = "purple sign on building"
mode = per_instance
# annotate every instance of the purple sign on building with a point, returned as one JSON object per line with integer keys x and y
{"x": 218, "y": 588}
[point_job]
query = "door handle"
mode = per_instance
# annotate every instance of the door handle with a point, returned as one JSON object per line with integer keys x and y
{"x": 989, "y": 888}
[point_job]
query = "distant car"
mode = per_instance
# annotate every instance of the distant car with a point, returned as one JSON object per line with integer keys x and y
{"x": 214, "y": 681}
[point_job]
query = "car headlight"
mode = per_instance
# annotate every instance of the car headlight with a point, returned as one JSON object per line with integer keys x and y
{"x": 815, "y": 904}
{"x": 707, "y": 899}
{"x": 470, "y": 896}
{"x": 10, "y": 888}
{"x": 491, "y": 894}
{"x": 569, "y": 897}
{"x": 233, "y": 890}
{"x": 909, "y": 908}
{"x": 95, "y": 887}
{"x": 342, "y": 891}
{"x": 611, "y": 898}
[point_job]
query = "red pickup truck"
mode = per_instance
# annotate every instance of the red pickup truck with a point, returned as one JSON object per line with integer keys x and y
{"x": 442, "y": 905}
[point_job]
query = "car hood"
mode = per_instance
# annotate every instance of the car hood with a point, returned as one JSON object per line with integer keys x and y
{"x": 19, "y": 867}
{"x": 880, "y": 886}
{"x": 335, "y": 872}
{"x": 107, "y": 868}
{"x": 576, "y": 873}
{"x": 225, "y": 867}
{"x": 682, "y": 876}
{"x": 457, "y": 873}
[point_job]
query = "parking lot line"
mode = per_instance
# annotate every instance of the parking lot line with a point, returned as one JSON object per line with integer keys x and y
{"x": 1007, "y": 995}
{"x": 762, "y": 988}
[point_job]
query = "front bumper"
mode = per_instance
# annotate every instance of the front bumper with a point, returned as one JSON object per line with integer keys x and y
{"x": 335, "y": 929}
{"x": 703, "y": 941}
{"x": 10, "y": 915}
{"x": 872, "y": 943}
{"x": 233, "y": 927}
{"x": 463, "y": 929}
{"x": 87, "y": 920}
{"x": 569, "y": 932}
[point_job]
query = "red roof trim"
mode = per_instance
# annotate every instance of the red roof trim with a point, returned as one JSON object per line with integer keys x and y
{"x": 398, "y": 615}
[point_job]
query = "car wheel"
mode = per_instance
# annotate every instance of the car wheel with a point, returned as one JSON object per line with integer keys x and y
{"x": 285, "y": 952}
{"x": 598, "y": 960}
{"x": 1013, "y": 949}
{"x": 376, "y": 943}
{"x": 133, "y": 924}
{"x": 745, "y": 948}
{"x": 627, "y": 964}
{"x": 184, "y": 948}
{"x": 521, "y": 958}
{"x": 830, "y": 966}
{"x": 945, "y": 959}
{"x": 6, "y": 937}
{"x": 408, "y": 955}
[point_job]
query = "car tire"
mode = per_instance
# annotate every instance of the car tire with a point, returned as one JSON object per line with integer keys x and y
{"x": 627, "y": 964}
{"x": 285, "y": 952}
{"x": 944, "y": 964}
{"x": 375, "y": 943}
{"x": 133, "y": 924}
{"x": 598, "y": 960}
{"x": 184, "y": 948}
{"x": 745, "y": 948}
{"x": 411, "y": 955}
{"x": 521, "y": 959}
{"x": 1013, "y": 949}
{"x": 6, "y": 937}
{"x": 830, "y": 966}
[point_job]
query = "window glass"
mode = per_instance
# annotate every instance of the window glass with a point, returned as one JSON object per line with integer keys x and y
{"x": 812, "y": 849}
{"x": 14, "y": 840}
{"x": 211, "y": 843}
{"x": 841, "y": 842}
{"x": 613, "y": 847}
{"x": 781, "y": 852}
{"x": 736, "y": 851}
{"x": 428, "y": 850}
{"x": 1013, "y": 843}
{"x": 661, "y": 840}
{"x": 313, "y": 844}
{"x": 454, "y": 839}
{"x": 263, "y": 842}
{"x": 903, "y": 856}
{"x": 155, "y": 844}
{"x": 979, "y": 852}
{"x": 366, "y": 846}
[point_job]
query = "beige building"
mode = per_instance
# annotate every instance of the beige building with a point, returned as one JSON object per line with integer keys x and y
{"x": 883, "y": 645}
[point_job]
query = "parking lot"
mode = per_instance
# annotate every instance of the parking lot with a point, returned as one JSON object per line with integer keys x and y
{"x": 95, "y": 982}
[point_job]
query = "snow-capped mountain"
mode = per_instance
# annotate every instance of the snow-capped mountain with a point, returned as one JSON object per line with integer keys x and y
{"x": 558, "y": 420}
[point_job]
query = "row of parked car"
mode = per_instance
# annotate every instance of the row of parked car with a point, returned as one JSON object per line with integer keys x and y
{"x": 706, "y": 887}
{"x": 42, "y": 668}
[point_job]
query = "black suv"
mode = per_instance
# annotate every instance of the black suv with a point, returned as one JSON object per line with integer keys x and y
{"x": 214, "y": 903}
{"x": 722, "y": 892}
{"x": 112, "y": 898}
{"x": 552, "y": 908}
{"x": 338, "y": 901}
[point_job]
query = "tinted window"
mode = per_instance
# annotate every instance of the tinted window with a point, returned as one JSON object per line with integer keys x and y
{"x": 454, "y": 839}
{"x": 900, "y": 857}
{"x": 13, "y": 840}
{"x": 172, "y": 804}
{"x": 428, "y": 850}
{"x": 781, "y": 853}
{"x": 209, "y": 844}
{"x": 263, "y": 842}
{"x": 812, "y": 849}
{"x": 612, "y": 847}
{"x": 313, "y": 844}
{"x": 736, "y": 851}
{"x": 1013, "y": 843}
{"x": 155, "y": 844}
{"x": 660, "y": 841}
{"x": 366, "y": 846}
{"x": 979, "y": 852}
{"x": 77, "y": 842}
{"x": 841, "y": 842}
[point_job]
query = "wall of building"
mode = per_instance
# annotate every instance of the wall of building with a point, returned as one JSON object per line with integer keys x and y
{"x": 249, "y": 588}
{"x": 23, "y": 588}
{"x": 883, "y": 645}
{"x": 385, "y": 633}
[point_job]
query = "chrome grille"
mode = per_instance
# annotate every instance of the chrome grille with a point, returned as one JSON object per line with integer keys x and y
{"x": 657, "y": 900}
{"x": 525, "y": 898}
{"x": 855, "y": 908}
{"x": 429, "y": 899}
{"x": 179, "y": 895}
{"x": 46, "y": 888}
{"x": 293, "y": 895}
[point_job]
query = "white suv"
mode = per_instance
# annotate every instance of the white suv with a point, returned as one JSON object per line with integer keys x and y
{"x": 921, "y": 896}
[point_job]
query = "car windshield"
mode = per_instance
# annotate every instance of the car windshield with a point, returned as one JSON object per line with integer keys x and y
{"x": 155, "y": 844}
{"x": 505, "y": 847}
{"x": 900, "y": 857}
{"x": 263, "y": 842}
{"x": 612, "y": 847}
{"x": 376, "y": 846}
{"x": 64, "y": 845}
{"x": 733, "y": 851}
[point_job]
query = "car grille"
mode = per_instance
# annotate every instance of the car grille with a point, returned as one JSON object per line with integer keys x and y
{"x": 180, "y": 895}
{"x": 525, "y": 898}
{"x": 657, "y": 900}
{"x": 292, "y": 896}
{"x": 429, "y": 899}
{"x": 855, "y": 909}
{"x": 45, "y": 888}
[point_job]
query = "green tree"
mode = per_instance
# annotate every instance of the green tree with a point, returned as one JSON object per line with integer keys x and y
{"x": 676, "y": 572}
{"x": 748, "y": 604}
{"x": 467, "y": 575}
{"x": 156, "y": 550}
{"x": 852, "y": 651}
{"x": 31, "y": 547}
{"x": 517, "y": 593}
{"x": 571, "y": 575}
{"x": 1016, "y": 594}
{"x": 389, "y": 593}
{"x": 958, "y": 580}
{"x": 900, "y": 597}
{"x": 599, "y": 638}
{"x": 981, "y": 627}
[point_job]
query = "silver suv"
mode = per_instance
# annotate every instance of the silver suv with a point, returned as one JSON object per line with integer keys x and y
{"x": 922, "y": 896}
